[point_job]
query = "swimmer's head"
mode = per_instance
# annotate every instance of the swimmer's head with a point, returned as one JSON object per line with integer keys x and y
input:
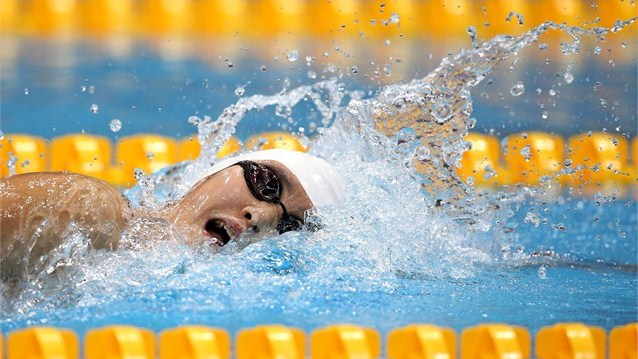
{"x": 256, "y": 193}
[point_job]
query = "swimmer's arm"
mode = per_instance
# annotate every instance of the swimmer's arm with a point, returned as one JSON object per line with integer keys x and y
{"x": 39, "y": 210}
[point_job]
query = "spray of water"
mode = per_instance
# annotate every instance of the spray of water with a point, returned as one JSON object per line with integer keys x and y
{"x": 406, "y": 215}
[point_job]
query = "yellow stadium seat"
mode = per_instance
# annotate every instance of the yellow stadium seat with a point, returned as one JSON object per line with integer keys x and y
{"x": 559, "y": 11}
{"x": 79, "y": 153}
{"x": 30, "y": 153}
{"x": 271, "y": 342}
{"x": 42, "y": 343}
{"x": 272, "y": 17}
{"x": 189, "y": 148}
{"x": 119, "y": 342}
{"x": 530, "y": 156}
{"x": 102, "y": 16}
{"x": 271, "y": 140}
{"x": 194, "y": 342}
{"x": 634, "y": 152}
{"x": 168, "y": 15}
{"x": 481, "y": 162}
{"x": 501, "y": 15}
{"x": 623, "y": 342}
{"x": 570, "y": 341}
{"x": 233, "y": 13}
{"x": 345, "y": 342}
{"x": 421, "y": 342}
{"x": 8, "y": 15}
{"x": 603, "y": 157}
{"x": 444, "y": 17}
{"x": 47, "y": 16}
{"x": 336, "y": 17}
{"x": 495, "y": 341}
{"x": 147, "y": 152}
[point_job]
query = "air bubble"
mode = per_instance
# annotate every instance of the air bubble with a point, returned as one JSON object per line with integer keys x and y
{"x": 518, "y": 89}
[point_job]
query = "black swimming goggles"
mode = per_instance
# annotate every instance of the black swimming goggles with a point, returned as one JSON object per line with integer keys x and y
{"x": 265, "y": 186}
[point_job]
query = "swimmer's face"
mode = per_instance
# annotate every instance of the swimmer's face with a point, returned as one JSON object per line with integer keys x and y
{"x": 230, "y": 204}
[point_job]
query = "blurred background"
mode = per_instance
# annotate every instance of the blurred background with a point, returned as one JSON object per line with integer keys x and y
{"x": 116, "y": 68}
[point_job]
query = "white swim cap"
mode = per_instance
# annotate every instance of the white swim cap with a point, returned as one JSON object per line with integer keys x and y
{"x": 319, "y": 179}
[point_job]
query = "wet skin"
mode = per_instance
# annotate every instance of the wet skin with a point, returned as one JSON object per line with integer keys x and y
{"x": 39, "y": 210}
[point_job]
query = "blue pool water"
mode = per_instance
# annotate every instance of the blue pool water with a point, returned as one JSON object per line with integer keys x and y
{"x": 386, "y": 257}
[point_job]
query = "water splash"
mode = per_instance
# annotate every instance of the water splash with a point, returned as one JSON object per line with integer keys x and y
{"x": 398, "y": 150}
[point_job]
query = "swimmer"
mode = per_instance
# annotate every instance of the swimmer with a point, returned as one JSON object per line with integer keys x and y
{"x": 256, "y": 194}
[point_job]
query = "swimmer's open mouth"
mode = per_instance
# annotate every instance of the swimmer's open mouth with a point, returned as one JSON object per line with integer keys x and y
{"x": 217, "y": 229}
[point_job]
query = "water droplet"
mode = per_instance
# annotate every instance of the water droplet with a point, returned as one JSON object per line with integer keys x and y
{"x": 230, "y": 64}
{"x": 471, "y": 30}
{"x": 569, "y": 77}
{"x": 543, "y": 46}
{"x": 526, "y": 152}
{"x": 442, "y": 112}
{"x": 95, "y": 108}
{"x": 542, "y": 272}
{"x": 150, "y": 155}
{"x": 82, "y": 88}
{"x": 603, "y": 102}
{"x": 470, "y": 181}
{"x": 311, "y": 74}
{"x": 373, "y": 22}
{"x": 293, "y": 55}
{"x": 552, "y": 92}
{"x": 240, "y": 91}
{"x": 263, "y": 68}
{"x": 518, "y": 89}
{"x": 533, "y": 218}
{"x": 387, "y": 42}
{"x": 422, "y": 153}
{"x": 25, "y": 163}
{"x": 560, "y": 227}
{"x": 544, "y": 115}
{"x": 354, "y": 70}
{"x": 597, "y": 50}
{"x": 26, "y": 91}
{"x": 115, "y": 125}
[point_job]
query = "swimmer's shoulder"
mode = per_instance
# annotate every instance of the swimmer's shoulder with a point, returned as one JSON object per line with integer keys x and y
{"x": 70, "y": 189}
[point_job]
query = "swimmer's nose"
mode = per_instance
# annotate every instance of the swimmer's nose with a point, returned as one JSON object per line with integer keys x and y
{"x": 260, "y": 217}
